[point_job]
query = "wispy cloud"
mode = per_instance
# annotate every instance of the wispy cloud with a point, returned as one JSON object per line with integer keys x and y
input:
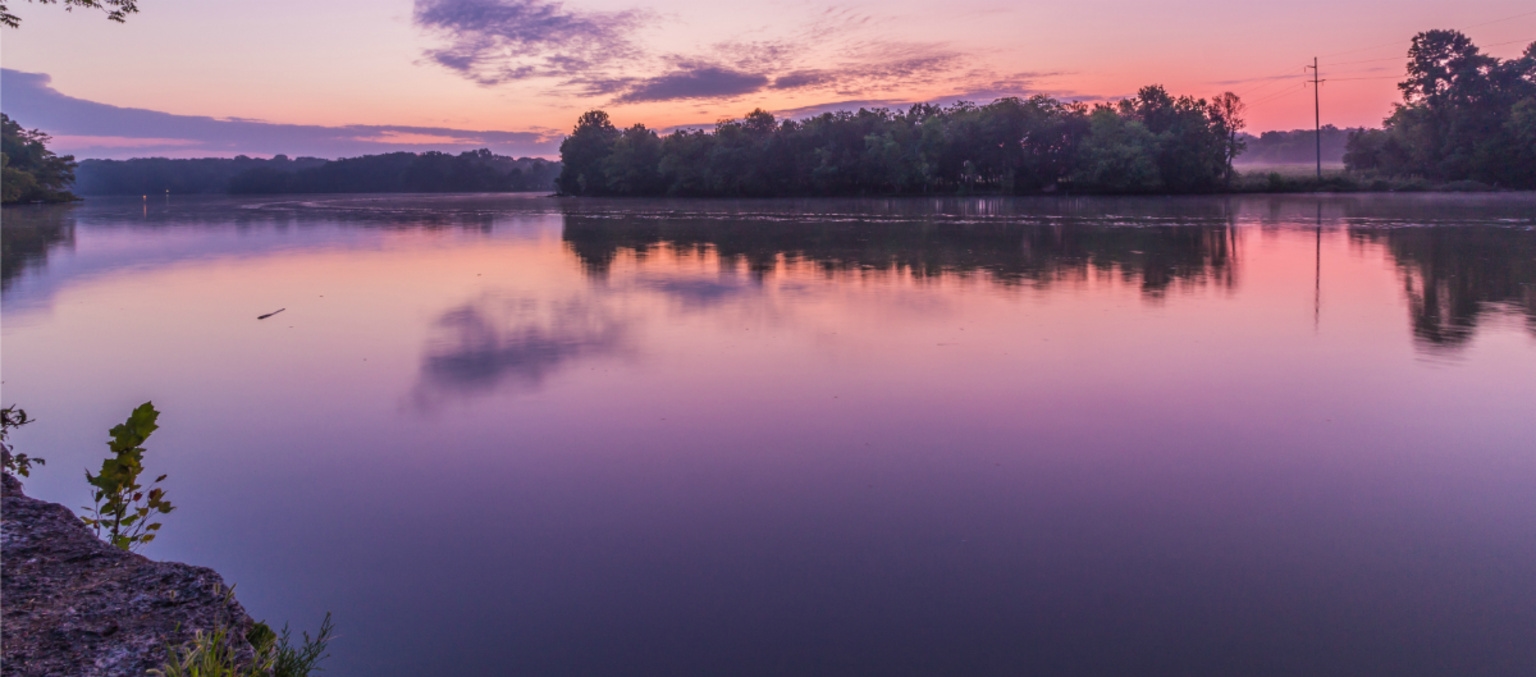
{"x": 834, "y": 52}
{"x": 975, "y": 87}
{"x": 496, "y": 41}
{"x": 854, "y": 76}
{"x": 694, "y": 81}
{"x": 90, "y": 129}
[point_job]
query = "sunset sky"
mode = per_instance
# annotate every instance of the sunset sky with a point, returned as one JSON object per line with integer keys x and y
{"x": 283, "y": 75}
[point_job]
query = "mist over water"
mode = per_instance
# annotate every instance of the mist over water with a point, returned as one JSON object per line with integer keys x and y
{"x": 522, "y": 435}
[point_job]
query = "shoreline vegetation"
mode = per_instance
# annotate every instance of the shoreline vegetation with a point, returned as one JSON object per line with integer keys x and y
{"x": 76, "y": 578}
{"x": 476, "y": 171}
{"x": 29, "y": 172}
{"x": 1467, "y": 122}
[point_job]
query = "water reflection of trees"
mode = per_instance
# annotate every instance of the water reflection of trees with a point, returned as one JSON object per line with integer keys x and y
{"x": 1153, "y": 257}
{"x": 1453, "y": 277}
{"x": 29, "y": 235}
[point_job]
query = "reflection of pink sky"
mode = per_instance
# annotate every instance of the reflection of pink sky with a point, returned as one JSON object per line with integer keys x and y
{"x": 802, "y": 345}
{"x": 347, "y": 304}
{"x": 1215, "y": 431}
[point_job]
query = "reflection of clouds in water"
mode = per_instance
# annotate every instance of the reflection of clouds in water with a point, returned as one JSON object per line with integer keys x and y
{"x": 699, "y": 292}
{"x": 493, "y": 341}
{"x": 519, "y": 342}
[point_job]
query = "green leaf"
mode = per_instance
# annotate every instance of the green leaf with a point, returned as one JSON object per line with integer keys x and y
{"x": 122, "y": 506}
{"x": 139, "y": 426}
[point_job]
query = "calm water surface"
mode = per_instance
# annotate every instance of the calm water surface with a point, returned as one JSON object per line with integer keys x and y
{"x": 514, "y": 435}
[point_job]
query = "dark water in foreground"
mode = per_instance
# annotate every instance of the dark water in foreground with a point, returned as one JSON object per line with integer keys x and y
{"x": 521, "y": 436}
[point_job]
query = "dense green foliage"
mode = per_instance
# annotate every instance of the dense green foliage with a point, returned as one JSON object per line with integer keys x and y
{"x": 122, "y": 507}
{"x": 13, "y": 463}
{"x": 29, "y": 172}
{"x": 117, "y": 10}
{"x": 1465, "y": 116}
{"x": 430, "y": 172}
{"x": 1152, "y": 142}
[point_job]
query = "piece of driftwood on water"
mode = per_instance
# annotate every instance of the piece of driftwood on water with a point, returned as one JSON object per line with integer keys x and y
{"x": 263, "y": 317}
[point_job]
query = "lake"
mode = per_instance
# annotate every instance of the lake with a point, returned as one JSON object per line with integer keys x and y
{"x": 521, "y": 435}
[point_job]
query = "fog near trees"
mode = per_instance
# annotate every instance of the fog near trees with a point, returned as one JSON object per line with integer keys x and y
{"x": 1296, "y": 146}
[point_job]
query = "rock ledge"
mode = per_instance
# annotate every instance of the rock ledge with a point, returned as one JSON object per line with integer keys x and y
{"x": 73, "y": 605}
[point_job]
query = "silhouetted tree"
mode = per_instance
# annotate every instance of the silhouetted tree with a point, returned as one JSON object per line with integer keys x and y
{"x": 1152, "y": 142}
{"x": 29, "y": 172}
{"x": 584, "y": 153}
{"x": 1464, "y": 115}
{"x": 1226, "y": 111}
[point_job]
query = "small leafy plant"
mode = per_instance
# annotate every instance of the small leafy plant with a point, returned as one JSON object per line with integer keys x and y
{"x": 122, "y": 506}
{"x": 286, "y": 659}
{"x": 215, "y": 654}
{"x": 15, "y": 464}
{"x": 209, "y": 654}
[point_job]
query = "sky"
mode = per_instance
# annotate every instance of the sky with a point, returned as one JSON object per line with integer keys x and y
{"x": 331, "y": 78}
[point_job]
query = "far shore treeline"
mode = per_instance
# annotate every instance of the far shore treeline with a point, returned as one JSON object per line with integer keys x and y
{"x": 1467, "y": 121}
{"x": 1153, "y": 141}
{"x": 430, "y": 172}
{"x": 1466, "y": 118}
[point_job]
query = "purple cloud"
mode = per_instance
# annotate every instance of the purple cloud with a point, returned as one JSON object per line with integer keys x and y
{"x": 90, "y": 129}
{"x": 496, "y": 41}
{"x": 698, "y": 81}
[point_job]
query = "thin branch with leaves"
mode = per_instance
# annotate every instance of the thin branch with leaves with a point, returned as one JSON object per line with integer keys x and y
{"x": 122, "y": 506}
{"x": 117, "y": 10}
{"x": 13, "y": 417}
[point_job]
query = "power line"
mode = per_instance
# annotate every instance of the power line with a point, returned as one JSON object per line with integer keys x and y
{"x": 1463, "y": 28}
{"x": 1507, "y": 18}
{"x": 1511, "y": 42}
{"x": 1295, "y": 87}
{"x": 1389, "y": 58}
{"x": 1291, "y": 91}
{"x": 1272, "y": 81}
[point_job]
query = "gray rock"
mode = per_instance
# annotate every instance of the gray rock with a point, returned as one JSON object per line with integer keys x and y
{"x": 73, "y": 605}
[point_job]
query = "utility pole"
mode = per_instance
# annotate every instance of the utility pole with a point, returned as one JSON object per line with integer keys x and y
{"x": 1317, "y": 115}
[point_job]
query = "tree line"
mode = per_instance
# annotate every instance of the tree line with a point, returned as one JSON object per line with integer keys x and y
{"x": 29, "y": 172}
{"x": 429, "y": 172}
{"x": 1151, "y": 142}
{"x": 1465, "y": 116}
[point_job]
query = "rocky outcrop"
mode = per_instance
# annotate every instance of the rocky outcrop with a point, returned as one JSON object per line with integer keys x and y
{"x": 75, "y": 606}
